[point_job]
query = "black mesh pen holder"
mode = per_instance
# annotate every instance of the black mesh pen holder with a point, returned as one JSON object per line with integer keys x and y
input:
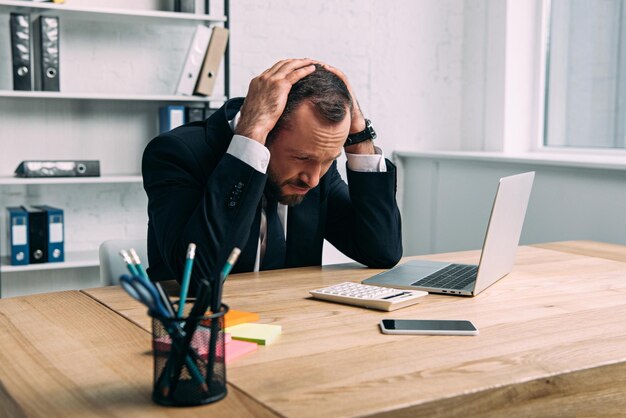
{"x": 189, "y": 363}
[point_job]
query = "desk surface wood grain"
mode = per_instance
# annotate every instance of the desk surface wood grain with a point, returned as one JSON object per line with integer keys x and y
{"x": 66, "y": 355}
{"x": 552, "y": 341}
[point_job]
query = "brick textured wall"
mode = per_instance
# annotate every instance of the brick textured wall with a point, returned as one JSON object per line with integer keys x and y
{"x": 403, "y": 58}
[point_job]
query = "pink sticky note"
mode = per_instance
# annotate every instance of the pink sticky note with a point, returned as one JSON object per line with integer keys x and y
{"x": 236, "y": 348}
{"x": 199, "y": 342}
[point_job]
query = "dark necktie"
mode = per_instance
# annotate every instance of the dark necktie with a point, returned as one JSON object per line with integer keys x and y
{"x": 275, "y": 247}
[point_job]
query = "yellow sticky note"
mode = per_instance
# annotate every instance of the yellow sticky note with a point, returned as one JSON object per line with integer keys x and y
{"x": 262, "y": 334}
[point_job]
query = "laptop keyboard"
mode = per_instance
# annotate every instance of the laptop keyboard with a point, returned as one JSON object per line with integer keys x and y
{"x": 454, "y": 276}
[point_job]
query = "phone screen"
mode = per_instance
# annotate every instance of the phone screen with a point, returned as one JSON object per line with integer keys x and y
{"x": 427, "y": 325}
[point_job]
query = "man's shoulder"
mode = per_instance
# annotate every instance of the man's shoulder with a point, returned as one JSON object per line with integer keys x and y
{"x": 212, "y": 135}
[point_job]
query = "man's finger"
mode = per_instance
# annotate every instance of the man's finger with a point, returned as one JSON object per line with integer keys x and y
{"x": 294, "y": 76}
{"x": 274, "y": 67}
{"x": 335, "y": 71}
{"x": 292, "y": 65}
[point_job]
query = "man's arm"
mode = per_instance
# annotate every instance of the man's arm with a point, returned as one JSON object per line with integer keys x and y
{"x": 216, "y": 214}
{"x": 363, "y": 221}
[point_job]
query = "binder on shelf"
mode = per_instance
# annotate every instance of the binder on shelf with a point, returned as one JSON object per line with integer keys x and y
{"x": 18, "y": 236}
{"x": 46, "y": 39}
{"x": 194, "y": 114}
{"x": 20, "y": 51}
{"x": 193, "y": 62}
{"x": 185, "y": 6}
{"x": 212, "y": 60}
{"x": 37, "y": 234}
{"x": 171, "y": 117}
{"x": 63, "y": 168}
{"x": 56, "y": 233}
{"x": 209, "y": 112}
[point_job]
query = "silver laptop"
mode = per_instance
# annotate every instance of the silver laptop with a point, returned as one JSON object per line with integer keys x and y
{"x": 497, "y": 257}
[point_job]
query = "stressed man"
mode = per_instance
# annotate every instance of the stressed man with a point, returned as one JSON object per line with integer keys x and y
{"x": 261, "y": 174}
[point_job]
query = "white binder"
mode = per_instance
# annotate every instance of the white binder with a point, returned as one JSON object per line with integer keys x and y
{"x": 193, "y": 63}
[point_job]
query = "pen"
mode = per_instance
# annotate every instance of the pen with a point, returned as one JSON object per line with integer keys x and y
{"x": 191, "y": 253}
{"x": 197, "y": 311}
{"x": 217, "y": 284}
{"x": 134, "y": 257}
{"x": 165, "y": 299}
{"x": 129, "y": 263}
{"x": 215, "y": 308}
{"x": 145, "y": 292}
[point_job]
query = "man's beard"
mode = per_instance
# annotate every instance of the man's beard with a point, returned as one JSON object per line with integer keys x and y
{"x": 274, "y": 191}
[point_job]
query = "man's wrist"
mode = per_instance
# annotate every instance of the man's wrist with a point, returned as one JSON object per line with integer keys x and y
{"x": 366, "y": 134}
{"x": 257, "y": 135}
{"x": 365, "y": 147}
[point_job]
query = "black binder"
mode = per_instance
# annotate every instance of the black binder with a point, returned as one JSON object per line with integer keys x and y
{"x": 37, "y": 234}
{"x": 185, "y": 6}
{"x": 47, "y": 53}
{"x": 194, "y": 114}
{"x": 61, "y": 168}
{"x": 20, "y": 51}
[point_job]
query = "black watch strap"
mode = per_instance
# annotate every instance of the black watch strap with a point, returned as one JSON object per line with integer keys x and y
{"x": 364, "y": 135}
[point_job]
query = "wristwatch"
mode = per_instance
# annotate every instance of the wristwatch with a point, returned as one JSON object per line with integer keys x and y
{"x": 364, "y": 135}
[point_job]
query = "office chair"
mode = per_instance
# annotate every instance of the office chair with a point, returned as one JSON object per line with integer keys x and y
{"x": 111, "y": 264}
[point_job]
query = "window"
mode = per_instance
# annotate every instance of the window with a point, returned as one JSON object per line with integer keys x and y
{"x": 586, "y": 74}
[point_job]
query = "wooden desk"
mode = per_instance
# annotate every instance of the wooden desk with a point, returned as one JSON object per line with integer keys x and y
{"x": 552, "y": 342}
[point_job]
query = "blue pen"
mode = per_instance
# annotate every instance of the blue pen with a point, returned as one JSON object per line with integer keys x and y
{"x": 191, "y": 253}
{"x": 129, "y": 263}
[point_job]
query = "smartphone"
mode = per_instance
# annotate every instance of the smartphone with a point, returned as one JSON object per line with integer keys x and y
{"x": 428, "y": 327}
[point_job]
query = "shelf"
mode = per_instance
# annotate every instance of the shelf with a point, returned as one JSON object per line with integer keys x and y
{"x": 105, "y": 96}
{"x": 75, "y": 259}
{"x": 102, "y": 13}
{"x": 10, "y": 181}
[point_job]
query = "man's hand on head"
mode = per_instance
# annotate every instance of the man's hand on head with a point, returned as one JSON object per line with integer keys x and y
{"x": 267, "y": 97}
{"x": 358, "y": 121}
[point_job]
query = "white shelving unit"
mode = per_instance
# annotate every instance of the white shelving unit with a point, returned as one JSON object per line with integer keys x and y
{"x": 114, "y": 97}
{"x": 42, "y": 122}
{"x": 16, "y": 181}
{"x": 76, "y": 259}
{"x": 106, "y": 14}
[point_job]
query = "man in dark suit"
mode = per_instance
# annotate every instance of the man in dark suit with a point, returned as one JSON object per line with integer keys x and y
{"x": 261, "y": 174}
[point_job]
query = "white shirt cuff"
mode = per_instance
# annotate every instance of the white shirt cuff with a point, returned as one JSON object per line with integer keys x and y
{"x": 250, "y": 152}
{"x": 366, "y": 162}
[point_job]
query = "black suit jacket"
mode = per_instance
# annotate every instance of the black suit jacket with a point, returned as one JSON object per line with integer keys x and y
{"x": 199, "y": 193}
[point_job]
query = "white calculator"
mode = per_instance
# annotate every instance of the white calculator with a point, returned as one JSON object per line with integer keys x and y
{"x": 374, "y": 297}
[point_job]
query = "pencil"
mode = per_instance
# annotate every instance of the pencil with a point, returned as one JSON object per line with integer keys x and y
{"x": 191, "y": 254}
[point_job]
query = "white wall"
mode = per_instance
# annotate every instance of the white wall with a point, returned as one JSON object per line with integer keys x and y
{"x": 450, "y": 196}
{"x": 445, "y": 200}
{"x": 404, "y": 59}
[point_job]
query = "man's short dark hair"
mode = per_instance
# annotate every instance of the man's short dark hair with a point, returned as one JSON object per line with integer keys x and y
{"x": 328, "y": 93}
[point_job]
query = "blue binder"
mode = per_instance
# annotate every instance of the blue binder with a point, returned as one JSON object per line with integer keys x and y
{"x": 56, "y": 233}
{"x": 171, "y": 117}
{"x": 18, "y": 236}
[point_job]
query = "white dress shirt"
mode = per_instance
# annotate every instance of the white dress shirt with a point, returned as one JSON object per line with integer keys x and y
{"x": 257, "y": 156}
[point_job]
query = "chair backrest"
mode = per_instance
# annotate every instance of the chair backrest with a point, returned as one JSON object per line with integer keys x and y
{"x": 111, "y": 264}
